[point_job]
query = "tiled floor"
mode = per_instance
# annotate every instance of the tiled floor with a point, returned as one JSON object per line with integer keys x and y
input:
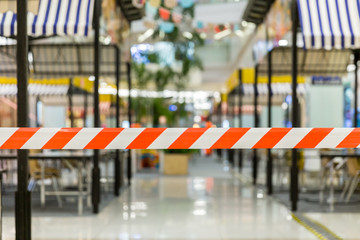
{"x": 346, "y": 225}
{"x": 193, "y": 207}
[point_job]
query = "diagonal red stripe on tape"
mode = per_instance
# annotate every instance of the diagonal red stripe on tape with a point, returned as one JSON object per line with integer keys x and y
{"x": 103, "y": 138}
{"x": 187, "y": 138}
{"x": 271, "y": 138}
{"x": 313, "y": 138}
{"x": 61, "y": 138}
{"x": 145, "y": 138}
{"x": 352, "y": 140}
{"x": 19, "y": 138}
{"x": 229, "y": 138}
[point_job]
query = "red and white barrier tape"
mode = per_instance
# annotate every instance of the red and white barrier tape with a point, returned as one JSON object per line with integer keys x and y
{"x": 178, "y": 138}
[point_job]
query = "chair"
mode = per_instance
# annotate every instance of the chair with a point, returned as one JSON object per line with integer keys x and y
{"x": 49, "y": 173}
{"x": 312, "y": 168}
{"x": 353, "y": 167}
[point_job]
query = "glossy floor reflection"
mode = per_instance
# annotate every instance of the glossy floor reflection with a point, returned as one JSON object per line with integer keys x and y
{"x": 197, "y": 206}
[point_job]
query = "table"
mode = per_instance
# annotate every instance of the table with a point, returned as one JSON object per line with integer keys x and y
{"x": 332, "y": 155}
{"x": 81, "y": 157}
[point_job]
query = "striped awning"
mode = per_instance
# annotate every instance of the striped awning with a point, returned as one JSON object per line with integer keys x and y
{"x": 278, "y": 89}
{"x": 55, "y": 17}
{"x": 330, "y": 24}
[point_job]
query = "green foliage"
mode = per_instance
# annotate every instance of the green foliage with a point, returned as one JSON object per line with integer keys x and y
{"x": 189, "y": 11}
{"x": 141, "y": 107}
{"x": 163, "y": 76}
{"x": 183, "y": 46}
{"x": 160, "y": 108}
{"x": 153, "y": 57}
{"x": 143, "y": 76}
{"x": 182, "y": 151}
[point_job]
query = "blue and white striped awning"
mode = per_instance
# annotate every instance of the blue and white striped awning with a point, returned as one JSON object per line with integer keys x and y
{"x": 55, "y": 17}
{"x": 330, "y": 24}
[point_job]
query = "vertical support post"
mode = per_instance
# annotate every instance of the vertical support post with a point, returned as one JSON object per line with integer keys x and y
{"x": 37, "y": 122}
{"x": 117, "y": 121}
{"x": 96, "y": 169}
{"x": 22, "y": 195}
{"x": 256, "y": 124}
{"x": 240, "y": 93}
{"x": 129, "y": 165}
{"x": 356, "y": 59}
{"x": 294, "y": 171}
{"x": 269, "y": 163}
{"x": 70, "y": 96}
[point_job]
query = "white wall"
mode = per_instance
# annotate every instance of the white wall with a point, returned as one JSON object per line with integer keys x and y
{"x": 325, "y": 106}
{"x": 54, "y": 116}
{"x": 277, "y": 117}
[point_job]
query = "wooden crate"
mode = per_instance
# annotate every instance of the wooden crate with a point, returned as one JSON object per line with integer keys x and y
{"x": 176, "y": 164}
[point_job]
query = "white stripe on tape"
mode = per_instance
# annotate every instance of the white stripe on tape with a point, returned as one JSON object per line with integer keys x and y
{"x": 166, "y": 138}
{"x": 5, "y": 134}
{"x": 124, "y": 138}
{"x": 40, "y": 138}
{"x": 334, "y": 137}
{"x": 251, "y": 137}
{"x": 292, "y": 138}
{"x": 208, "y": 138}
{"x": 82, "y": 138}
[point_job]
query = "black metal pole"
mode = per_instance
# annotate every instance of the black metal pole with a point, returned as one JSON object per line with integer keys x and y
{"x": 22, "y": 195}
{"x": 256, "y": 123}
{"x": 117, "y": 164}
{"x": 70, "y": 96}
{"x": 356, "y": 59}
{"x": 129, "y": 167}
{"x": 37, "y": 123}
{"x": 240, "y": 93}
{"x": 96, "y": 169}
{"x": 269, "y": 165}
{"x": 294, "y": 171}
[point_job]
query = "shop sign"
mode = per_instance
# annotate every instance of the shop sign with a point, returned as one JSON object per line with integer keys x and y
{"x": 326, "y": 80}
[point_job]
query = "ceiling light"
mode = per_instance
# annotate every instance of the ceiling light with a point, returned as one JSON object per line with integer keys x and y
{"x": 107, "y": 40}
{"x": 351, "y": 67}
{"x": 222, "y": 34}
{"x": 187, "y": 35}
{"x": 146, "y": 35}
{"x": 283, "y": 43}
{"x": 239, "y": 33}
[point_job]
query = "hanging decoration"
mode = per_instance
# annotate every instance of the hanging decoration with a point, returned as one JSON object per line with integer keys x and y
{"x": 149, "y": 24}
{"x": 150, "y": 10}
{"x": 200, "y": 26}
{"x": 164, "y": 13}
{"x": 176, "y": 17}
{"x": 186, "y": 3}
{"x": 155, "y": 3}
{"x": 167, "y": 27}
{"x": 236, "y": 27}
{"x": 219, "y": 28}
{"x": 170, "y": 3}
{"x": 138, "y": 3}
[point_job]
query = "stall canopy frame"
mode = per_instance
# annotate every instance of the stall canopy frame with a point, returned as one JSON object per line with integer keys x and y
{"x": 321, "y": 32}
{"x": 61, "y": 60}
